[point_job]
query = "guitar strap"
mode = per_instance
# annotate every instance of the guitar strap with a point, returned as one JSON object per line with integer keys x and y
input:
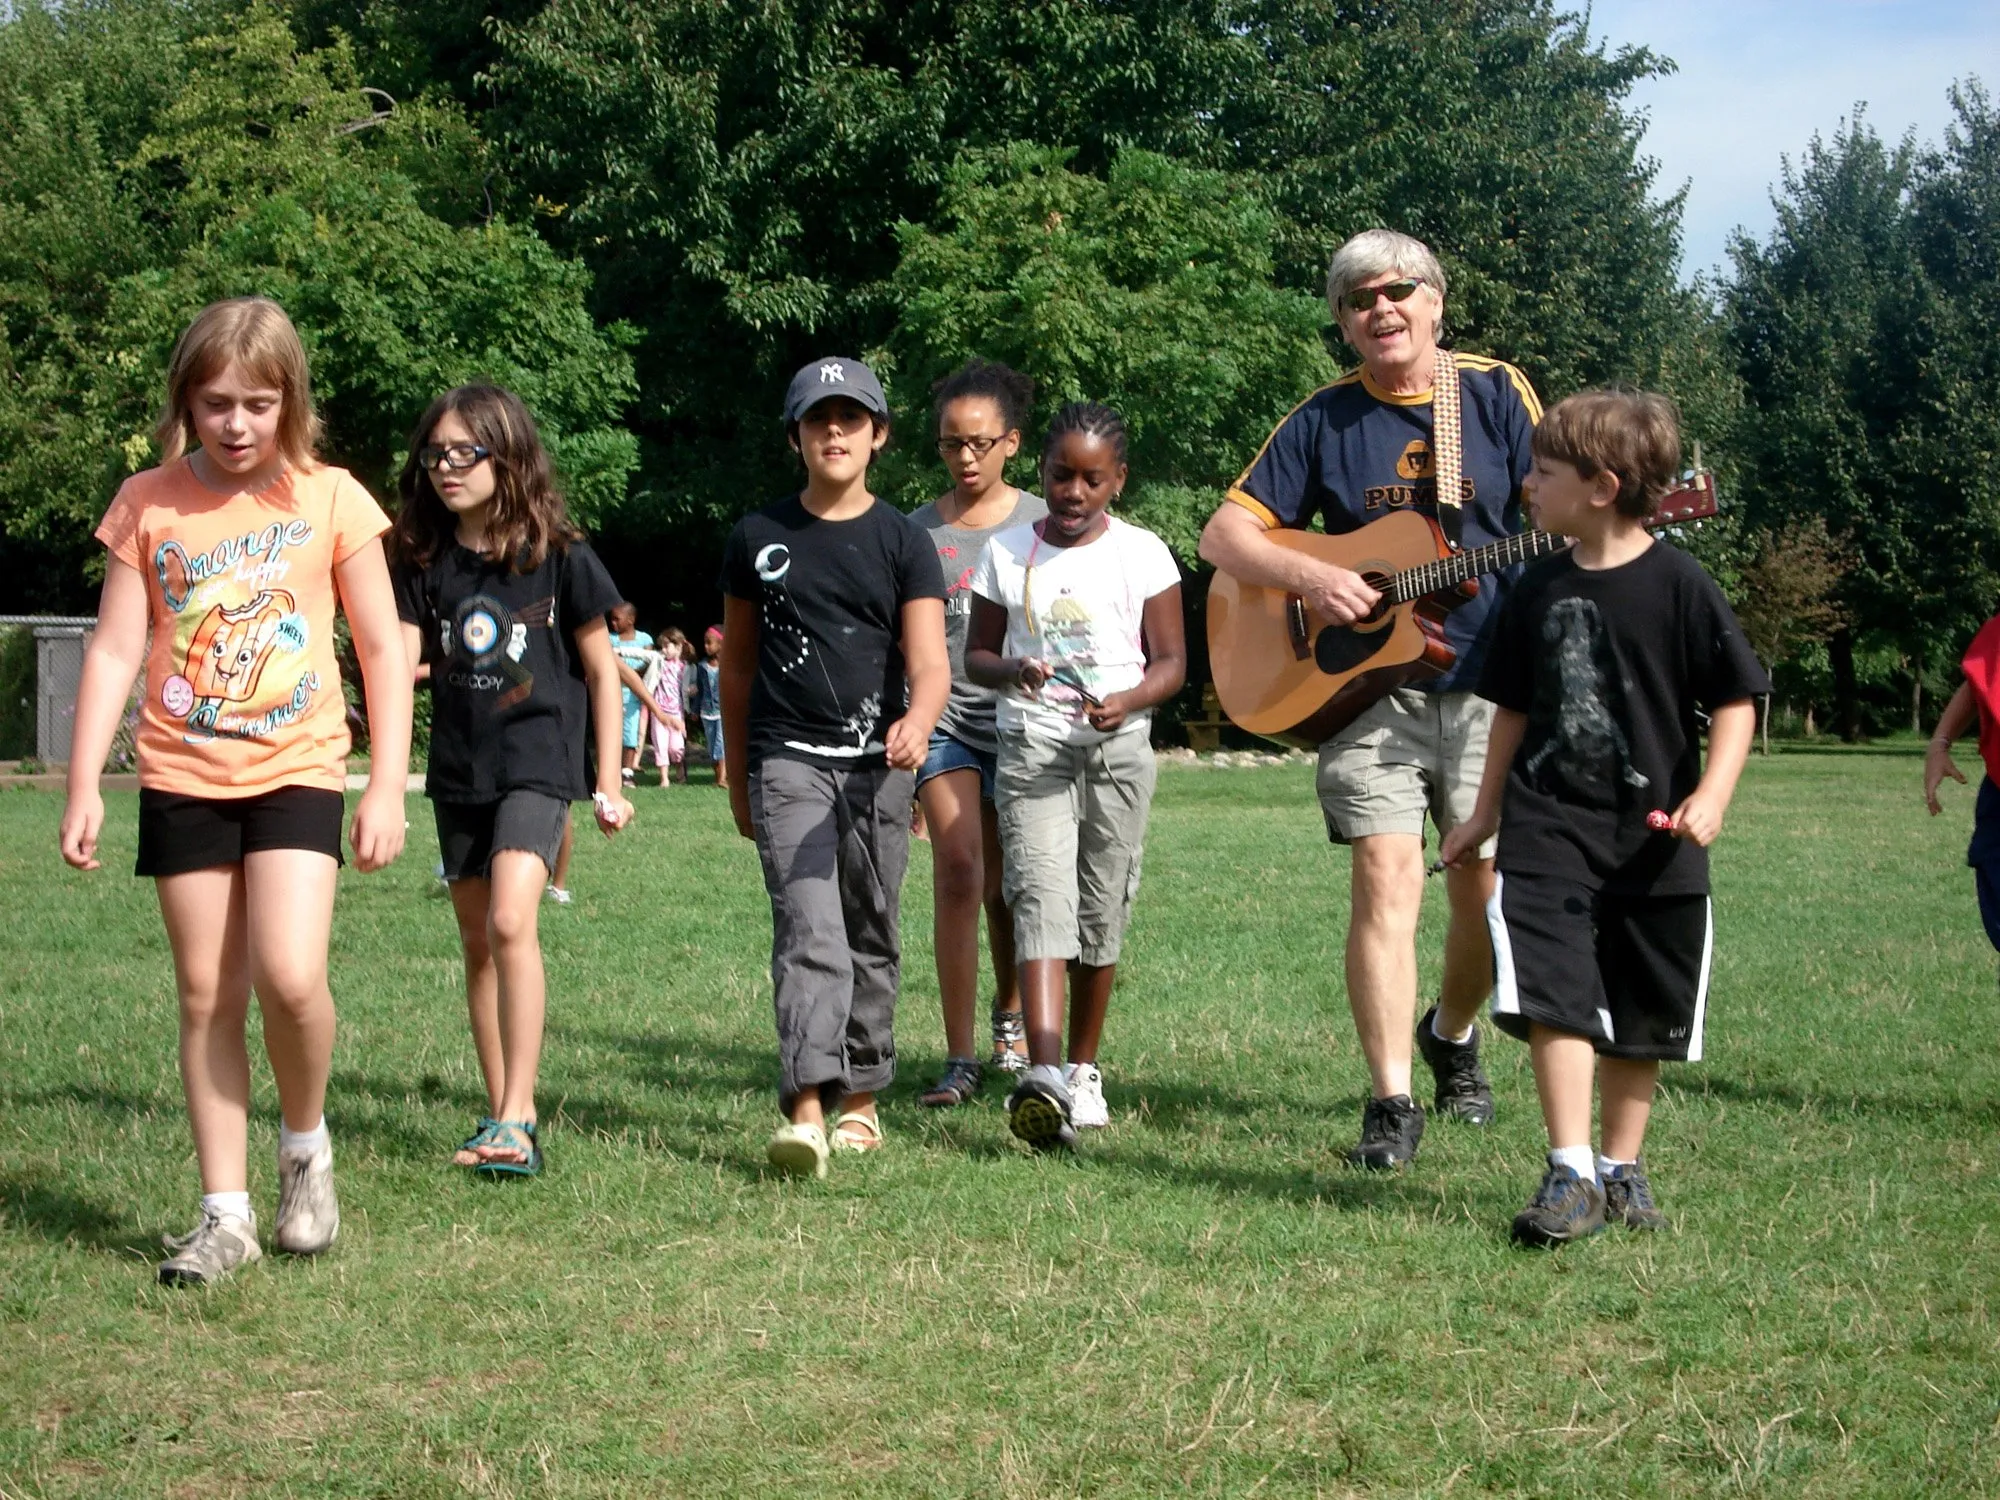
{"x": 1447, "y": 451}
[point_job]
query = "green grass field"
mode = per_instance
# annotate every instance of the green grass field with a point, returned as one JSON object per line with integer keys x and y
{"x": 1205, "y": 1302}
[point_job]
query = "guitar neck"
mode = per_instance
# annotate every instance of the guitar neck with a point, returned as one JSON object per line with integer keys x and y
{"x": 1461, "y": 567}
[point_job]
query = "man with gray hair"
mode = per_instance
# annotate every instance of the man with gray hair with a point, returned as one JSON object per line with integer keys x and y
{"x": 1350, "y": 454}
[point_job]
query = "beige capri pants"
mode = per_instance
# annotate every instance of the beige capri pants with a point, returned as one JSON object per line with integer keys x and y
{"x": 1072, "y": 828}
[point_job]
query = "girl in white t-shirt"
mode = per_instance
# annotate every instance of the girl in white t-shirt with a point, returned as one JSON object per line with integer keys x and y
{"x": 1078, "y": 619}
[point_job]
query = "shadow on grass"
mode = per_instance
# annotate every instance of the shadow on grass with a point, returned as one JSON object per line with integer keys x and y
{"x": 48, "y": 1209}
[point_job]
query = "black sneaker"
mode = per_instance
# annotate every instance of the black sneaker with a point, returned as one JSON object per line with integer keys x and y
{"x": 1628, "y": 1199}
{"x": 1390, "y": 1130}
{"x": 1038, "y": 1112}
{"x": 1564, "y": 1208}
{"x": 1462, "y": 1090}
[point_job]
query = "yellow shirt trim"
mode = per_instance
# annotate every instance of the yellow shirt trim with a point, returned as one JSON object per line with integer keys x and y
{"x": 1256, "y": 508}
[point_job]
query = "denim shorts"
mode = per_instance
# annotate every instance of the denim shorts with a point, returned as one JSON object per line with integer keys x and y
{"x": 471, "y": 833}
{"x": 948, "y": 754}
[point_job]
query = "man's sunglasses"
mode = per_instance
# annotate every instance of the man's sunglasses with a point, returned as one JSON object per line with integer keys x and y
{"x": 1362, "y": 298}
{"x": 978, "y": 447}
{"x": 452, "y": 455}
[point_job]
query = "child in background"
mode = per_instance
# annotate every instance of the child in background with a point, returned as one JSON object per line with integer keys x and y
{"x": 633, "y": 649}
{"x": 1976, "y": 701}
{"x": 232, "y": 551}
{"x": 1602, "y": 928}
{"x": 558, "y": 890}
{"x": 503, "y": 596}
{"x": 834, "y": 616}
{"x": 979, "y": 411}
{"x": 704, "y": 696}
{"x": 663, "y": 684}
{"x": 1078, "y": 617}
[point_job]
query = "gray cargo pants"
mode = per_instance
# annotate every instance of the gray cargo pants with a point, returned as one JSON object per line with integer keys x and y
{"x": 834, "y": 845}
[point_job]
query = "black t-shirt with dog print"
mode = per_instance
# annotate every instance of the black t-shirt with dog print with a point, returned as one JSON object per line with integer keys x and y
{"x": 1610, "y": 667}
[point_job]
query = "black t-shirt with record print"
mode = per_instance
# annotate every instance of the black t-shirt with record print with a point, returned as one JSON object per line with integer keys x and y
{"x": 509, "y": 708}
{"x": 829, "y": 597}
{"x": 1609, "y": 667}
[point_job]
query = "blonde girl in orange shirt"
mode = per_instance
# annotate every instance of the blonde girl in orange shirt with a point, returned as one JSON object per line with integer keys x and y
{"x": 231, "y": 551}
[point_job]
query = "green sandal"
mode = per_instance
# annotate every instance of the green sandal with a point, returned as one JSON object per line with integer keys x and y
{"x": 517, "y": 1135}
{"x": 482, "y": 1135}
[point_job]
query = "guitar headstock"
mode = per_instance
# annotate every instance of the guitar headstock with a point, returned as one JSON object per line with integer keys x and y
{"x": 1691, "y": 500}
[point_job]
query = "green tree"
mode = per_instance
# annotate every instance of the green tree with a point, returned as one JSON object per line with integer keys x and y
{"x": 1149, "y": 288}
{"x": 254, "y": 166}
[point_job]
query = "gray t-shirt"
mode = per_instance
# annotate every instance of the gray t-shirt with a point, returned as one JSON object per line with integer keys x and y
{"x": 968, "y": 717}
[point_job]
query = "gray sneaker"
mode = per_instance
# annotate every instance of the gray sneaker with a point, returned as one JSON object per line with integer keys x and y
{"x": 214, "y": 1248}
{"x": 1628, "y": 1199}
{"x": 308, "y": 1212}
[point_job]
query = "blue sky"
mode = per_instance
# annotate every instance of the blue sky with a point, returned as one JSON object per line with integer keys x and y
{"x": 1758, "y": 78}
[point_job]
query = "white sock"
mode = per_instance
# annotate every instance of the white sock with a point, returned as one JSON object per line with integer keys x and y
{"x": 227, "y": 1205}
{"x": 293, "y": 1142}
{"x": 1457, "y": 1041}
{"x": 1579, "y": 1159}
{"x": 1606, "y": 1167}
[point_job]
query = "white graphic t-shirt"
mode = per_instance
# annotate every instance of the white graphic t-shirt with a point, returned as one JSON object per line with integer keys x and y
{"x": 1081, "y": 610}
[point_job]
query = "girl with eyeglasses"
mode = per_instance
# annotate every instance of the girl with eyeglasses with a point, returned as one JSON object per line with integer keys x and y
{"x": 980, "y": 409}
{"x": 501, "y": 596}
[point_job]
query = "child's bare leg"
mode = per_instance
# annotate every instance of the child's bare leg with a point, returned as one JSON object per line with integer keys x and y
{"x": 951, "y": 806}
{"x": 999, "y": 917}
{"x": 288, "y": 897}
{"x": 512, "y": 932}
{"x": 722, "y": 773}
{"x": 1089, "y": 999}
{"x": 560, "y": 880}
{"x": 470, "y": 899}
{"x": 1625, "y": 1103}
{"x": 206, "y": 923}
{"x": 1042, "y": 1002}
{"x": 1564, "y": 1066}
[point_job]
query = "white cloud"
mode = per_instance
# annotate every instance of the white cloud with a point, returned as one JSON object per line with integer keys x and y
{"x": 1756, "y": 81}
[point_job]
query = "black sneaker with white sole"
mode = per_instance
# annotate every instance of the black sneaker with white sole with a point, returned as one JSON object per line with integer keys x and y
{"x": 1390, "y": 1130}
{"x": 1628, "y": 1198}
{"x": 1462, "y": 1090}
{"x": 1039, "y": 1113}
{"x": 1565, "y": 1207}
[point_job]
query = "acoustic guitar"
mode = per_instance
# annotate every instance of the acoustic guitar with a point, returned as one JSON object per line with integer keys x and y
{"x": 1288, "y": 673}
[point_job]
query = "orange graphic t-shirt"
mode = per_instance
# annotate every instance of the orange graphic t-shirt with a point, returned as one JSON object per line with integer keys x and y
{"x": 242, "y": 687}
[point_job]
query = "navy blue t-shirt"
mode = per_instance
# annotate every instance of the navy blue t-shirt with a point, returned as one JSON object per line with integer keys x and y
{"x": 1351, "y": 454}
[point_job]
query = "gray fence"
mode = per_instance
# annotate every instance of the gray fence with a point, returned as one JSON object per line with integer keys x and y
{"x": 59, "y": 641}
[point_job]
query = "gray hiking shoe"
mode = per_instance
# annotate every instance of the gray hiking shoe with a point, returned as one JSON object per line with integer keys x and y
{"x": 1564, "y": 1208}
{"x": 308, "y": 1212}
{"x": 212, "y": 1250}
{"x": 1628, "y": 1198}
{"x": 1039, "y": 1112}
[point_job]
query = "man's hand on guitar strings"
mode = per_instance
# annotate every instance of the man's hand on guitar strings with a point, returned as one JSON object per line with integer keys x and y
{"x": 1343, "y": 597}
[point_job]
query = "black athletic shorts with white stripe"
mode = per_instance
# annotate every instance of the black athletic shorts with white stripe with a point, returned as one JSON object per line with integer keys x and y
{"x": 1628, "y": 972}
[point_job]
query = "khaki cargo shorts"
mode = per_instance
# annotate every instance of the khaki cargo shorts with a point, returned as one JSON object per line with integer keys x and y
{"x": 1410, "y": 756}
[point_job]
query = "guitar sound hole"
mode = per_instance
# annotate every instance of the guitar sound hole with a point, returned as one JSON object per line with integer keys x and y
{"x": 1341, "y": 648}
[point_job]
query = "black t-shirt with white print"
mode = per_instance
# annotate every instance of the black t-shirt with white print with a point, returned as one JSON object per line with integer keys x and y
{"x": 1609, "y": 667}
{"x": 509, "y": 708}
{"x": 829, "y": 598}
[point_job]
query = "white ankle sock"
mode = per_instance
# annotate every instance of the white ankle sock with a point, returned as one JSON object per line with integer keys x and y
{"x": 227, "y": 1205}
{"x": 1579, "y": 1159}
{"x": 1457, "y": 1041}
{"x": 1606, "y": 1167}
{"x": 294, "y": 1141}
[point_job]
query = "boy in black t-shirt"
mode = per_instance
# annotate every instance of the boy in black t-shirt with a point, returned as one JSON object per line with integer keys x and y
{"x": 833, "y": 621}
{"x": 1601, "y": 925}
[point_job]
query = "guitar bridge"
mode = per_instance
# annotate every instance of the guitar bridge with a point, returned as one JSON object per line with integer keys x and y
{"x": 1296, "y": 625}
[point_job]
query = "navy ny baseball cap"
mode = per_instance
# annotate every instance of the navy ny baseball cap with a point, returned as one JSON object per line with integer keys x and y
{"x": 834, "y": 377}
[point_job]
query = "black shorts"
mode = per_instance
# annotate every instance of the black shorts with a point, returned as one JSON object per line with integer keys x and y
{"x": 471, "y": 833}
{"x": 178, "y": 834}
{"x": 1628, "y": 972}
